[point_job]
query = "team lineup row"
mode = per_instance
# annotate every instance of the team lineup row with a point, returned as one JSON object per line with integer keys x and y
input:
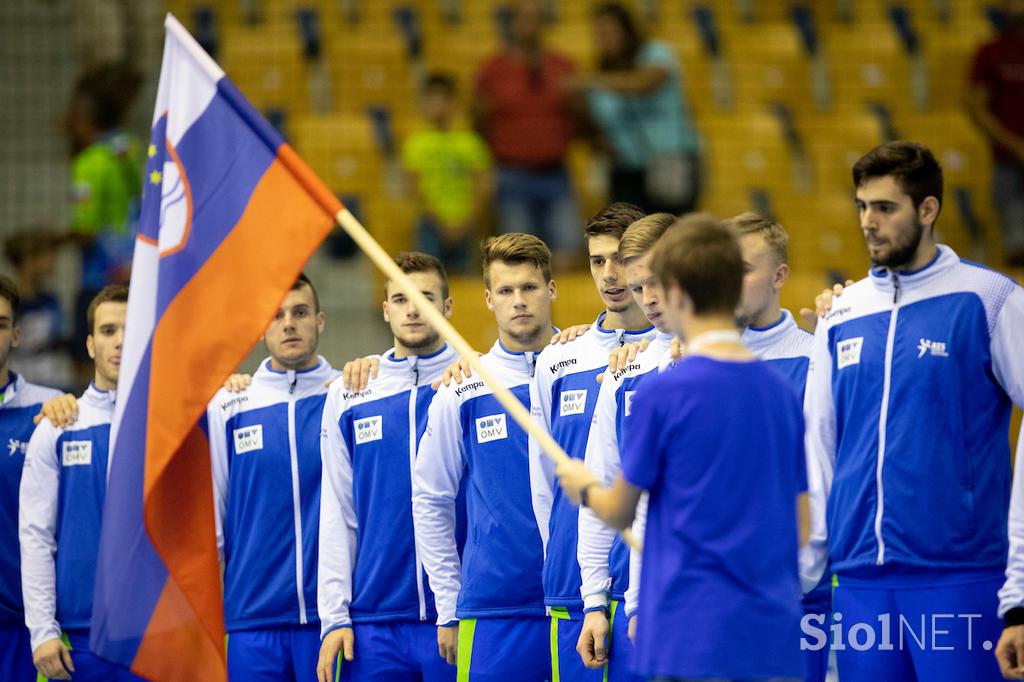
{"x": 397, "y": 523}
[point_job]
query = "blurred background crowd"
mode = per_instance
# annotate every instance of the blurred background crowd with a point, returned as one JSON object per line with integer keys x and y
{"x": 439, "y": 122}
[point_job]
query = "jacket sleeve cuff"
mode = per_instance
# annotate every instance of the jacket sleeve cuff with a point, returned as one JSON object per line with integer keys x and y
{"x": 1014, "y": 617}
{"x": 328, "y": 630}
{"x": 595, "y": 601}
{"x": 448, "y": 624}
{"x": 592, "y": 609}
{"x": 42, "y": 635}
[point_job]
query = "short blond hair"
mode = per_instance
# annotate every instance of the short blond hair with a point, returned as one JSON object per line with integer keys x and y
{"x": 774, "y": 234}
{"x": 642, "y": 235}
{"x": 515, "y": 248}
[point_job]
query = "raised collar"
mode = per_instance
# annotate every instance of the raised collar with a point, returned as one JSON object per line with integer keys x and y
{"x": 621, "y": 335}
{"x": 419, "y": 366}
{"x": 885, "y": 279}
{"x": 756, "y": 338}
{"x": 295, "y": 381}
{"x": 513, "y": 361}
{"x": 99, "y": 398}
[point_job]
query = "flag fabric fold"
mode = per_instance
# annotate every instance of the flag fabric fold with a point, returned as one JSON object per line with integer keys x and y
{"x": 230, "y": 215}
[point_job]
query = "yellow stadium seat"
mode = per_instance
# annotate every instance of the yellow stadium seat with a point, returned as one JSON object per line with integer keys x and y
{"x": 745, "y": 151}
{"x": 266, "y": 64}
{"x": 370, "y": 72}
{"x": 341, "y": 149}
{"x": 834, "y": 141}
{"x": 867, "y": 64}
{"x": 769, "y": 64}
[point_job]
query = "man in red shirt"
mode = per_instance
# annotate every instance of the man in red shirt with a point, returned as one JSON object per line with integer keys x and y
{"x": 528, "y": 118}
{"x": 997, "y": 105}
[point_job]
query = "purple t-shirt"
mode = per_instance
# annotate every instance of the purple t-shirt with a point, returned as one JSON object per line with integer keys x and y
{"x": 720, "y": 447}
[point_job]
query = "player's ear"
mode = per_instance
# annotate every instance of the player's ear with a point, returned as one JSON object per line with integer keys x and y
{"x": 90, "y": 346}
{"x": 15, "y": 336}
{"x": 384, "y": 309}
{"x": 321, "y": 320}
{"x": 448, "y": 307}
{"x": 928, "y": 211}
{"x": 487, "y": 299}
{"x": 553, "y": 290}
{"x": 781, "y": 274}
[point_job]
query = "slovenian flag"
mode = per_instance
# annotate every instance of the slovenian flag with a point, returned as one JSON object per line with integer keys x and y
{"x": 229, "y": 217}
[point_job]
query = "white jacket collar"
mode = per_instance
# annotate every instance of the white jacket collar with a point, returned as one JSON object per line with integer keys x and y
{"x": 418, "y": 365}
{"x": 757, "y": 338}
{"x": 302, "y": 380}
{"x": 98, "y": 398}
{"x": 886, "y": 280}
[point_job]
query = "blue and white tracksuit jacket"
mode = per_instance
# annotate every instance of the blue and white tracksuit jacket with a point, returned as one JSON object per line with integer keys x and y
{"x": 59, "y": 510}
{"x": 469, "y": 434}
{"x": 563, "y": 396}
{"x": 603, "y": 557}
{"x": 370, "y": 569}
{"x": 908, "y": 406}
{"x": 20, "y": 401}
{"x": 265, "y": 451}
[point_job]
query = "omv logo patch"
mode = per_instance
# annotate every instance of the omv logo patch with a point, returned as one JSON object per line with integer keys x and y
{"x": 492, "y": 427}
{"x": 248, "y": 439}
{"x": 369, "y": 429}
{"x": 572, "y": 402}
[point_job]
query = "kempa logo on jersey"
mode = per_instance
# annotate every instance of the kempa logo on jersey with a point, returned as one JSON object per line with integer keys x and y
{"x": 248, "y": 438}
{"x": 625, "y": 370}
{"x": 360, "y": 394}
{"x": 14, "y": 446}
{"x": 563, "y": 364}
{"x": 937, "y": 349}
{"x": 848, "y": 352}
{"x": 469, "y": 387}
{"x": 369, "y": 429}
{"x": 572, "y": 402}
{"x": 76, "y": 453}
{"x": 234, "y": 401}
{"x": 491, "y": 428}
{"x": 627, "y": 402}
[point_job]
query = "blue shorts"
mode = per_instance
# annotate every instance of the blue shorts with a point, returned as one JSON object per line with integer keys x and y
{"x": 274, "y": 654}
{"x": 566, "y": 664}
{"x": 403, "y": 652}
{"x": 939, "y": 628}
{"x": 502, "y": 649}
{"x": 91, "y": 668}
{"x": 620, "y": 658}
{"x": 16, "y": 654}
{"x": 819, "y": 605}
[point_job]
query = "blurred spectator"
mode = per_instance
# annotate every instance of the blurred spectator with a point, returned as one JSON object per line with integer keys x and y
{"x": 42, "y": 355}
{"x": 636, "y": 100}
{"x": 448, "y": 170}
{"x": 528, "y": 119}
{"x": 106, "y": 180}
{"x": 996, "y": 103}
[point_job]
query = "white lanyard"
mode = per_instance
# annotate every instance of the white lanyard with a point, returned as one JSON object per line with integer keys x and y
{"x": 712, "y": 338}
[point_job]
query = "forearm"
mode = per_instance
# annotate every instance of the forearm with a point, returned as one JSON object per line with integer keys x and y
{"x": 639, "y": 82}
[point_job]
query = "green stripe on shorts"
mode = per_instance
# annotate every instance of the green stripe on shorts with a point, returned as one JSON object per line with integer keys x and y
{"x": 613, "y": 608}
{"x": 467, "y": 628}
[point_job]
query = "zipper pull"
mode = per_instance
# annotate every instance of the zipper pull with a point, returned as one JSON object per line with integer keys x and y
{"x": 896, "y": 288}
{"x": 295, "y": 380}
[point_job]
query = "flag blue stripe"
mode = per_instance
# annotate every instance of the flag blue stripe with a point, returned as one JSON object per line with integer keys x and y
{"x": 224, "y": 161}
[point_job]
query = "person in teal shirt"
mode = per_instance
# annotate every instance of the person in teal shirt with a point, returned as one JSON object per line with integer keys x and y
{"x": 448, "y": 171}
{"x": 636, "y": 101}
